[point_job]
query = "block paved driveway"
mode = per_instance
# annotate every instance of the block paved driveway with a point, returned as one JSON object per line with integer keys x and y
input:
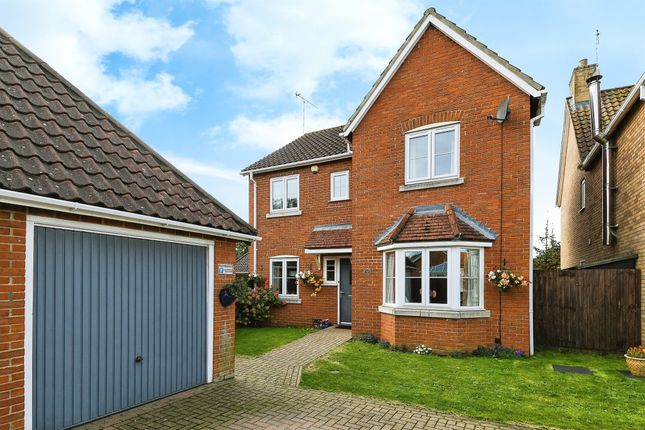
{"x": 265, "y": 395}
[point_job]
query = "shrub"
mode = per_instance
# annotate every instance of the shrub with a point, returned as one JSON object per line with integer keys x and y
{"x": 636, "y": 352}
{"x": 255, "y": 299}
{"x": 368, "y": 338}
{"x": 384, "y": 343}
{"x": 498, "y": 351}
{"x": 399, "y": 348}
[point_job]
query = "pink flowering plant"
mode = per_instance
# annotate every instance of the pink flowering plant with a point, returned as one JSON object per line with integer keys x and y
{"x": 311, "y": 279}
{"x": 255, "y": 299}
{"x": 505, "y": 279}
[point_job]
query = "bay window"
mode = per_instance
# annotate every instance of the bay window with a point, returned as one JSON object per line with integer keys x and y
{"x": 448, "y": 277}
{"x": 285, "y": 193}
{"x": 432, "y": 153}
{"x": 283, "y": 276}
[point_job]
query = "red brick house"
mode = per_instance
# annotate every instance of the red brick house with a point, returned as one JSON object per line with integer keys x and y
{"x": 111, "y": 260}
{"x": 405, "y": 208}
{"x": 601, "y": 182}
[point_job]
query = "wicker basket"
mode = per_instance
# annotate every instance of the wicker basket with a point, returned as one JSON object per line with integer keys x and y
{"x": 636, "y": 365}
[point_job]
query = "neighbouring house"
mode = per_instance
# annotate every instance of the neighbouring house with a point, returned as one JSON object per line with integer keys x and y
{"x": 601, "y": 182}
{"x": 108, "y": 260}
{"x": 405, "y": 208}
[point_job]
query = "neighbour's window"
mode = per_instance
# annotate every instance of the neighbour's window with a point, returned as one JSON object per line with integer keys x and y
{"x": 340, "y": 185}
{"x": 448, "y": 277}
{"x": 583, "y": 193}
{"x": 390, "y": 278}
{"x": 283, "y": 276}
{"x": 432, "y": 153}
{"x": 331, "y": 265}
{"x": 285, "y": 193}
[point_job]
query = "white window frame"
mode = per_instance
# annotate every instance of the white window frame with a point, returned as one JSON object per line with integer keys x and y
{"x": 284, "y": 180}
{"x": 283, "y": 288}
{"x": 583, "y": 194}
{"x": 336, "y": 261}
{"x": 454, "y": 278}
{"x": 331, "y": 186}
{"x": 430, "y": 131}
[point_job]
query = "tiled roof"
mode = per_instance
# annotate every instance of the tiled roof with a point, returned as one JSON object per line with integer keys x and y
{"x": 611, "y": 100}
{"x": 242, "y": 263}
{"x": 309, "y": 146}
{"x": 55, "y": 142}
{"x": 330, "y": 236}
{"x": 435, "y": 223}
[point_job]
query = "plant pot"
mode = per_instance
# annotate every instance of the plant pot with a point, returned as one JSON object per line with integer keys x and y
{"x": 636, "y": 365}
{"x": 226, "y": 298}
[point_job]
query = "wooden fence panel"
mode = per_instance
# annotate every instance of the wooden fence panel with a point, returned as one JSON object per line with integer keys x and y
{"x": 595, "y": 309}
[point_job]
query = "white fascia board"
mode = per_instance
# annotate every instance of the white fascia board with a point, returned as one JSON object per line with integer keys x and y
{"x": 298, "y": 163}
{"x": 442, "y": 244}
{"x": 329, "y": 251}
{"x": 461, "y": 41}
{"x": 57, "y": 205}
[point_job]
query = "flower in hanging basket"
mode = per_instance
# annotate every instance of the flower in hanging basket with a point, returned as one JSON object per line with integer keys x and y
{"x": 311, "y": 279}
{"x": 505, "y": 279}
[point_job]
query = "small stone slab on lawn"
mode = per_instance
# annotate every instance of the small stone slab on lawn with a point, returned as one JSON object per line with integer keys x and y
{"x": 631, "y": 375}
{"x": 572, "y": 369}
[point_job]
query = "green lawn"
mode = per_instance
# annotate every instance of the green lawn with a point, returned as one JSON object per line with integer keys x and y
{"x": 519, "y": 390}
{"x": 257, "y": 341}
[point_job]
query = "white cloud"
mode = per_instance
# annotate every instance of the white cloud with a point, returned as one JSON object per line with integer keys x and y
{"x": 76, "y": 37}
{"x": 272, "y": 133}
{"x": 193, "y": 167}
{"x": 295, "y": 45}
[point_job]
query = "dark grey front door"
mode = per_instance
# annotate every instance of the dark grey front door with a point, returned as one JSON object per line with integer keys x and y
{"x": 118, "y": 321}
{"x": 345, "y": 293}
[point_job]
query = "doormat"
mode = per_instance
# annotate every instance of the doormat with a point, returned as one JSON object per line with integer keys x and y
{"x": 631, "y": 375}
{"x": 572, "y": 369}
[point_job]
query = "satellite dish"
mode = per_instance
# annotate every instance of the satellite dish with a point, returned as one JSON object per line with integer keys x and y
{"x": 503, "y": 111}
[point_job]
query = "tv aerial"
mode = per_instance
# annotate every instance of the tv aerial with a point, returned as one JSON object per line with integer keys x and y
{"x": 305, "y": 102}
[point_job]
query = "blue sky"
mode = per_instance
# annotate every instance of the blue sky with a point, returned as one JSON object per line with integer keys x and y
{"x": 210, "y": 83}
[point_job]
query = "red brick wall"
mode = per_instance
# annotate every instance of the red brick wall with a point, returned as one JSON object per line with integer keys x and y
{"x": 287, "y": 236}
{"x": 440, "y": 81}
{"x": 12, "y": 317}
{"x": 12, "y": 307}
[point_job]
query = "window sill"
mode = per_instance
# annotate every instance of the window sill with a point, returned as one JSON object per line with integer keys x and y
{"x": 435, "y": 183}
{"x": 434, "y": 313}
{"x": 330, "y": 284}
{"x": 339, "y": 200}
{"x": 283, "y": 214}
{"x": 291, "y": 300}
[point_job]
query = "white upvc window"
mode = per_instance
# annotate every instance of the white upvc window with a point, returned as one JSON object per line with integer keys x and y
{"x": 432, "y": 153}
{"x": 331, "y": 267}
{"x": 449, "y": 277}
{"x": 340, "y": 185}
{"x": 583, "y": 194}
{"x": 285, "y": 194}
{"x": 284, "y": 271}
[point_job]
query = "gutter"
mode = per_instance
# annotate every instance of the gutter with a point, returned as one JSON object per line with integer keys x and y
{"x": 533, "y": 123}
{"x": 298, "y": 163}
{"x": 57, "y": 205}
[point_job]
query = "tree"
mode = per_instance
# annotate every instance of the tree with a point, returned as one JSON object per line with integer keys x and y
{"x": 241, "y": 248}
{"x": 548, "y": 252}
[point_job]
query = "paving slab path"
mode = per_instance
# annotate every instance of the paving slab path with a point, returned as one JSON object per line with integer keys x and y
{"x": 265, "y": 395}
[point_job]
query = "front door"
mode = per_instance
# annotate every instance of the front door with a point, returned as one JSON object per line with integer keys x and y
{"x": 345, "y": 292}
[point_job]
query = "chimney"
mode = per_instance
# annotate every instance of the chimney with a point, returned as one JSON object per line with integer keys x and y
{"x": 578, "y": 82}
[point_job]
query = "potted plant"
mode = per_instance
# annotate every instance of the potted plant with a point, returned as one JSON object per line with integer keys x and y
{"x": 312, "y": 280}
{"x": 635, "y": 358}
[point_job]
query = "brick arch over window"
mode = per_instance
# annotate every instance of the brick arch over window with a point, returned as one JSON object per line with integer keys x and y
{"x": 434, "y": 117}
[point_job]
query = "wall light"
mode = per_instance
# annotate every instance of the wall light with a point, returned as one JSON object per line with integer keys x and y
{"x": 314, "y": 169}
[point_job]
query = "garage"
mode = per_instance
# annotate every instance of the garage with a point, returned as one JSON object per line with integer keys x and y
{"x": 112, "y": 260}
{"x": 118, "y": 320}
